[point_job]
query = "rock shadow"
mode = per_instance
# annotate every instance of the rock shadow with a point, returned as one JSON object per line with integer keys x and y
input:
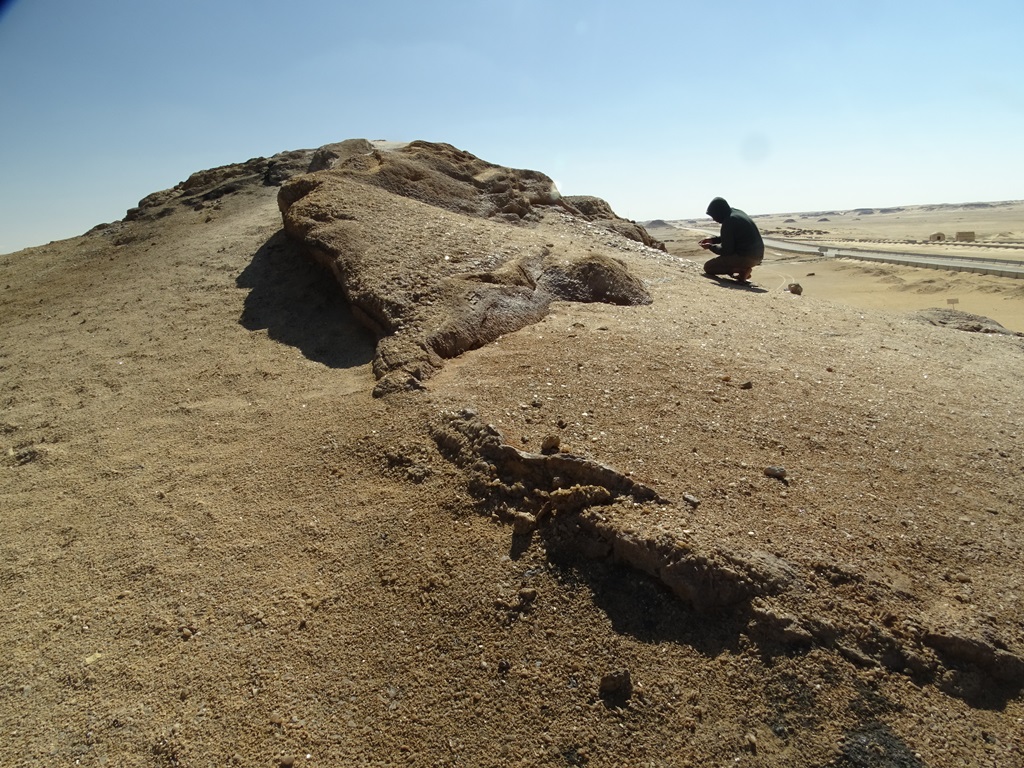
{"x": 725, "y": 282}
{"x": 300, "y": 304}
{"x": 640, "y": 607}
{"x": 874, "y": 745}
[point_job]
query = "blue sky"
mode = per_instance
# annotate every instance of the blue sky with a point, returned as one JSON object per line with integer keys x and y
{"x": 655, "y": 106}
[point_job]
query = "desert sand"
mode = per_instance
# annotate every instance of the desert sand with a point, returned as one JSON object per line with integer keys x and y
{"x": 406, "y": 461}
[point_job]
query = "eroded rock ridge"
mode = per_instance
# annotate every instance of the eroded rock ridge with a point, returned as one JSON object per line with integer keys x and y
{"x": 431, "y": 292}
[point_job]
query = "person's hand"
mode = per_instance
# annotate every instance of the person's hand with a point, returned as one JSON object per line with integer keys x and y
{"x": 705, "y": 243}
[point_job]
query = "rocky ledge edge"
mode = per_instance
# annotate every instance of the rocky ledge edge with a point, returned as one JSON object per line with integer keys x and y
{"x": 591, "y": 509}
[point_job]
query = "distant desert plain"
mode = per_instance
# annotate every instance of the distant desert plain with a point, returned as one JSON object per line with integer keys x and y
{"x": 997, "y": 230}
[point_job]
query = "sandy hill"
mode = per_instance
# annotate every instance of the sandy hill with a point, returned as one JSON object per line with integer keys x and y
{"x": 382, "y": 454}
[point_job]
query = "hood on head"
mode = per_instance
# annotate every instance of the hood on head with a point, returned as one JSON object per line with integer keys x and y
{"x": 719, "y": 210}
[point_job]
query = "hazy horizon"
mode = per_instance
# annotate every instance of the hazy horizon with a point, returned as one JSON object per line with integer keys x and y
{"x": 656, "y": 107}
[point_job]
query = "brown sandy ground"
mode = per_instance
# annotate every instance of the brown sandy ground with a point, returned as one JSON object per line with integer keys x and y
{"x": 219, "y": 549}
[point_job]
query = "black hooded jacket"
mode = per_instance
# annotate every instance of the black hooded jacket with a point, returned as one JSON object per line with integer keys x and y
{"x": 739, "y": 237}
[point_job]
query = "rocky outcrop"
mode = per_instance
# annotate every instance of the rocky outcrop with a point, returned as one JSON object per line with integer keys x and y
{"x": 204, "y": 187}
{"x": 593, "y": 277}
{"x": 586, "y": 507}
{"x": 535, "y": 482}
{"x": 572, "y": 495}
{"x": 596, "y": 210}
{"x": 963, "y": 321}
{"x": 432, "y": 248}
{"x": 706, "y": 579}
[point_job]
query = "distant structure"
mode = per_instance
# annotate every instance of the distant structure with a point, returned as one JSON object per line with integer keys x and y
{"x": 965, "y": 237}
{"x": 936, "y": 237}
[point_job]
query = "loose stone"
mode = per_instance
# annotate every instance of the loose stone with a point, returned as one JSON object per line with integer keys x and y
{"x": 617, "y": 685}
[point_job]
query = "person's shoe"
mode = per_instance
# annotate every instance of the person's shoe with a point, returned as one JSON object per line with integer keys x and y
{"x": 744, "y": 276}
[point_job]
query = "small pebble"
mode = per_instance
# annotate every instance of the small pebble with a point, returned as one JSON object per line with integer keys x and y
{"x": 550, "y": 444}
{"x": 776, "y": 472}
{"x": 617, "y": 684}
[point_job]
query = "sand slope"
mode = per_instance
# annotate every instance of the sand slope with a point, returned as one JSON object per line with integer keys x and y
{"x": 221, "y": 549}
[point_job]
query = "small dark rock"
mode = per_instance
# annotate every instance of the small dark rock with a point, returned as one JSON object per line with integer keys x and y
{"x": 397, "y": 381}
{"x": 616, "y": 687}
{"x": 550, "y": 444}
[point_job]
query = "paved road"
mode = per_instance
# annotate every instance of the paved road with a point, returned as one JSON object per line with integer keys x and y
{"x": 986, "y": 266}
